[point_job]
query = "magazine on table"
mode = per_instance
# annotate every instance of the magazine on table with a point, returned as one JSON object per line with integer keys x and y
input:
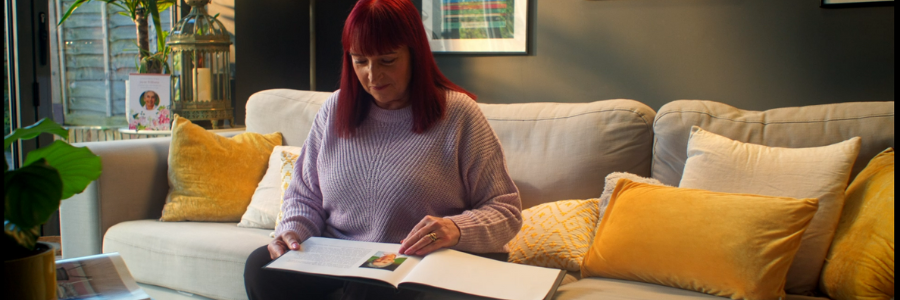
{"x": 445, "y": 269}
{"x": 148, "y": 102}
{"x": 102, "y": 276}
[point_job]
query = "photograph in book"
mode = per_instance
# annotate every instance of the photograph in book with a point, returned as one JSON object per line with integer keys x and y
{"x": 148, "y": 102}
{"x": 384, "y": 261}
{"x": 102, "y": 276}
{"x": 442, "y": 271}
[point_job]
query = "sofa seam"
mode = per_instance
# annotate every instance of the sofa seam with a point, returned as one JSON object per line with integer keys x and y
{"x": 663, "y": 115}
{"x": 169, "y": 253}
{"x": 306, "y": 100}
{"x": 640, "y": 115}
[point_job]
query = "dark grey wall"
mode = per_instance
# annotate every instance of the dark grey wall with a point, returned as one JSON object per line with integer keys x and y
{"x": 752, "y": 54}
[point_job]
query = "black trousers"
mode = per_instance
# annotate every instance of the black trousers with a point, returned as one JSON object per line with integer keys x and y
{"x": 263, "y": 284}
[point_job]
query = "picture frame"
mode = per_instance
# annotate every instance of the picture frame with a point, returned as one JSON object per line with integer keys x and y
{"x": 855, "y": 3}
{"x": 476, "y": 26}
{"x": 149, "y": 102}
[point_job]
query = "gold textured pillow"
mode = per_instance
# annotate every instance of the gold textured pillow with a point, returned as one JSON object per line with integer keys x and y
{"x": 555, "y": 234}
{"x": 729, "y": 245}
{"x": 211, "y": 177}
{"x": 860, "y": 264}
{"x": 288, "y": 161}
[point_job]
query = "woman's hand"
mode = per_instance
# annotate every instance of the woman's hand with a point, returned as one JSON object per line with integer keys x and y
{"x": 287, "y": 240}
{"x": 432, "y": 233}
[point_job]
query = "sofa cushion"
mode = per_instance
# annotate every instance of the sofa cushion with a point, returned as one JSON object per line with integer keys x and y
{"x": 202, "y": 258}
{"x": 717, "y": 163}
{"x": 616, "y": 289}
{"x": 555, "y": 235}
{"x": 211, "y": 177}
{"x": 553, "y": 150}
{"x": 790, "y": 127}
{"x": 265, "y": 205}
{"x": 860, "y": 264}
{"x": 565, "y": 150}
{"x": 730, "y": 245}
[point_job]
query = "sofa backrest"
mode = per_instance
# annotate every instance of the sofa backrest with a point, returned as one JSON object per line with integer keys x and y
{"x": 789, "y": 127}
{"x": 554, "y": 151}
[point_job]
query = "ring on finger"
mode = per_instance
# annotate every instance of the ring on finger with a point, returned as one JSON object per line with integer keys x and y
{"x": 433, "y": 237}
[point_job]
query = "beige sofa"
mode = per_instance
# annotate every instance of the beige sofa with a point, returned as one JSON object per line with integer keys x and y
{"x": 555, "y": 151}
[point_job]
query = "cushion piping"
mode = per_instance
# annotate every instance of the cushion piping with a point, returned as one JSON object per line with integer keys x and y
{"x": 771, "y": 122}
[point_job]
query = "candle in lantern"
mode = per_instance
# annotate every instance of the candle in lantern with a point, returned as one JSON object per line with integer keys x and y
{"x": 203, "y": 87}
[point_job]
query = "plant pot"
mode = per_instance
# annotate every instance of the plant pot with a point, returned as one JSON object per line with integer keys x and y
{"x": 31, "y": 277}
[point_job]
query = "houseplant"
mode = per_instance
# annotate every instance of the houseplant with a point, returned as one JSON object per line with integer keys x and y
{"x": 32, "y": 193}
{"x": 137, "y": 10}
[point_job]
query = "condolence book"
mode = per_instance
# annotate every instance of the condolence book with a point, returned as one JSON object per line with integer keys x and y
{"x": 445, "y": 269}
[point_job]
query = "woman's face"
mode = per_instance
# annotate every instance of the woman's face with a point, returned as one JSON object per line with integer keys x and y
{"x": 149, "y": 99}
{"x": 385, "y": 76}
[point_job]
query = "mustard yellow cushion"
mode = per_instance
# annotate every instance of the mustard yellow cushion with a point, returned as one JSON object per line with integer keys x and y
{"x": 860, "y": 264}
{"x": 555, "y": 234}
{"x": 729, "y": 245}
{"x": 211, "y": 177}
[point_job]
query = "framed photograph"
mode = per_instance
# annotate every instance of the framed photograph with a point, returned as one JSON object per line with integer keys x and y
{"x": 149, "y": 102}
{"x": 856, "y": 3}
{"x": 469, "y": 26}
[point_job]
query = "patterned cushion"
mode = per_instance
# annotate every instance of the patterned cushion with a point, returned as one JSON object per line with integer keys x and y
{"x": 555, "y": 234}
{"x": 266, "y": 202}
{"x": 288, "y": 161}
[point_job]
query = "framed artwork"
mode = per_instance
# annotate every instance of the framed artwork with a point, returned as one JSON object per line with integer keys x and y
{"x": 470, "y": 26}
{"x": 148, "y": 103}
{"x": 856, "y": 3}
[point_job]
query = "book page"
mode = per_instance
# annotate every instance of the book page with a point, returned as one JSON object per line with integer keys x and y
{"x": 471, "y": 274}
{"x": 335, "y": 257}
{"x": 102, "y": 276}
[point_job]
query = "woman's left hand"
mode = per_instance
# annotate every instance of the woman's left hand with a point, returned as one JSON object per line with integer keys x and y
{"x": 432, "y": 233}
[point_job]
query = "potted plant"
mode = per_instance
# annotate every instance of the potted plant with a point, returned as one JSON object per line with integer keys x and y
{"x": 137, "y": 10}
{"x": 32, "y": 193}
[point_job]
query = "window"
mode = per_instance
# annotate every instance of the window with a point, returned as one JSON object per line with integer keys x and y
{"x": 97, "y": 50}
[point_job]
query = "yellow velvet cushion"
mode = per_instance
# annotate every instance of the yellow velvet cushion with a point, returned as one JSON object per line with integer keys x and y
{"x": 860, "y": 264}
{"x": 555, "y": 234}
{"x": 211, "y": 177}
{"x": 729, "y": 245}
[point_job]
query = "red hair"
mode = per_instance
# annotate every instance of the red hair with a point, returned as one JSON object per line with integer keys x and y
{"x": 376, "y": 27}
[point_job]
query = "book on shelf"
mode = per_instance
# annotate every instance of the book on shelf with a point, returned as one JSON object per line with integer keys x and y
{"x": 101, "y": 276}
{"x": 440, "y": 271}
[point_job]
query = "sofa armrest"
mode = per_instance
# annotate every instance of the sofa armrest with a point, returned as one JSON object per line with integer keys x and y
{"x": 132, "y": 186}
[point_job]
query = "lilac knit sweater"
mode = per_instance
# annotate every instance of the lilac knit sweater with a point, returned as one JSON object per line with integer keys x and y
{"x": 377, "y": 185}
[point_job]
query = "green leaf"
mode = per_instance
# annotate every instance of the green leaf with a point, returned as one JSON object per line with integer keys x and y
{"x": 25, "y": 237}
{"x": 77, "y": 166}
{"x": 45, "y": 125}
{"x": 33, "y": 193}
{"x": 71, "y": 9}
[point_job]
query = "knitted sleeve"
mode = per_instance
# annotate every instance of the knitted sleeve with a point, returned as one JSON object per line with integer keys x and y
{"x": 304, "y": 213}
{"x": 496, "y": 214}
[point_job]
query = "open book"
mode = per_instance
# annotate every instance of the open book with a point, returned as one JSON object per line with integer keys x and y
{"x": 444, "y": 269}
{"x": 101, "y": 276}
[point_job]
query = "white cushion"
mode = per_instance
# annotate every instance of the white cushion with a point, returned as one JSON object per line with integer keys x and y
{"x": 266, "y": 201}
{"x": 720, "y": 164}
{"x": 610, "y": 186}
{"x": 202, "y": 258}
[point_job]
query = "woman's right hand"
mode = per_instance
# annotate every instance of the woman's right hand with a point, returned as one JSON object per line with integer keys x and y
{"x": 287, "y": 240}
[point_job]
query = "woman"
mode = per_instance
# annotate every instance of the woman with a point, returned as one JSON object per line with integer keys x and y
{"x": 398, "y": 155}
{"x": 149, "y": 100}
